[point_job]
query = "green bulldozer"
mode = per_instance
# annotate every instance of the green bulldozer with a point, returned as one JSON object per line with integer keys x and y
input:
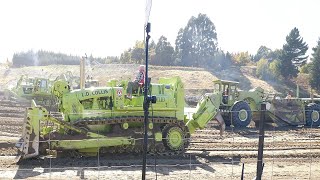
{"x": 27, "y": 88}
{"x": 39, "y": 89}
{"x": 101, "y": 120}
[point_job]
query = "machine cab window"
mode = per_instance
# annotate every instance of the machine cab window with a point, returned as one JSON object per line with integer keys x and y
{"x": 226, "y": 88}
{"x": 233, "y": 89}
{"x": 216, "y": 88}
{"x": 43, "y": 83}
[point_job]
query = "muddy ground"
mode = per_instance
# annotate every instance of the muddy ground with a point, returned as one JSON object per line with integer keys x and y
{"x": 290, "y": 153}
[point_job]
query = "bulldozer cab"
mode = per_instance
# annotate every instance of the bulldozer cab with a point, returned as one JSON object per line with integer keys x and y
{"x": 42, "y": 85}
{"x": 227, "y": 89}
{"x": 26, "y": 84}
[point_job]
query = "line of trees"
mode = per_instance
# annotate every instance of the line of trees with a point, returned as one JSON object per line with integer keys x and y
{"x": 196, "y": 45}
{"x": 286, "y": 63}
{"x": 44, "y": 58}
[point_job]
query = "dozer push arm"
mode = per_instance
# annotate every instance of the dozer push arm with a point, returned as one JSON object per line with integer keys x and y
{"x": 206, "y": 110}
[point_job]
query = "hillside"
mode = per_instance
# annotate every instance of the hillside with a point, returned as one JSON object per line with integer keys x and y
{"x": 196, "y": 80}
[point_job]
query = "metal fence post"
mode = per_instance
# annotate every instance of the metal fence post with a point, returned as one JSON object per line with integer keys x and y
{"x": 261, "y": 142}
{"x": 242, "y": 172}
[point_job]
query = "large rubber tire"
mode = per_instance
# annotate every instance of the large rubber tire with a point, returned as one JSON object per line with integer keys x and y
{"x": 312, "y": 113}
{"x": 241, "y": 114}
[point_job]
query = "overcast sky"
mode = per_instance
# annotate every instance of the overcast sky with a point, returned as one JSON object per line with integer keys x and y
{"x": 108, "y": 27}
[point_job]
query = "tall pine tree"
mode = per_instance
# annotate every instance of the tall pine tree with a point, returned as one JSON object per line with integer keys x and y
{"x": 315, "y": 67}
{"x": 196, "y": 44}
{"x": 263, "y": 52}
{"x": 163, "y": 53}
{"x": 293, "y": 54}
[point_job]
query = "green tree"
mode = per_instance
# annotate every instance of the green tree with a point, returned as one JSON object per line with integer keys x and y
{"x": 275, "y": 55}
{"x": 152, "y": 50}
{"x": 221, "y": 60}
{"x": 43, "y": 58}
{"x": 23, "y": 59}
{"x": 228, "y": 58}
{"x": 266, "y": 53}
{"x": 315, "y": 67}
{"x": 178, "y": 48}
{"x": 274, "y": 68}
{"x": 138, "y": 53}
{"x": 305, "y": 68}
{"x": 125, "y": 56}
{"x": 242, "y": 58}
{"x": 263, "y": 69}
{"x": 267, "y": 70}
{"x": 163, "y": 53}
{"x": 152, "y": 45}
{"x": 263, "y": 52}
{"x": 293, "y": 54}
{"x": 197, "y": 43}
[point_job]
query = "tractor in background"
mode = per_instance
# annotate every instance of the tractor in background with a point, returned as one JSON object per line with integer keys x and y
{"x": 27, "y": 88}
{"x": 40, "y": 89}
{"x": 237, "y": 107}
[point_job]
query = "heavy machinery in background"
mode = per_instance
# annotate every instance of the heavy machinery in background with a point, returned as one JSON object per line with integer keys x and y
{"x": 239, "y": 108}
{"x": 74, "y": 81}
{"x": 293, "y": 111}
{"x": 78, "y": 82}
{"x": 27, "y": 88}
{"x": 101, "y": 119}
{"x": 40, "y": 89}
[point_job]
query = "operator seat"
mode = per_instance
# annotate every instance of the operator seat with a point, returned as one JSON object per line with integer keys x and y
{"x": 225, "y": 97}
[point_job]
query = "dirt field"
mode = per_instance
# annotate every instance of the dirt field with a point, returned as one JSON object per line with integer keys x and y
{"x": 290, "y": 152}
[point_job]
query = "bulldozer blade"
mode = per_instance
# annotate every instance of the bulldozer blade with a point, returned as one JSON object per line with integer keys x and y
{"x": 28, "y": 145}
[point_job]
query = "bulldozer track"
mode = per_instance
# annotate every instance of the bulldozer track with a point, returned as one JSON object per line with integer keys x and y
{"x": 157, "y": 148}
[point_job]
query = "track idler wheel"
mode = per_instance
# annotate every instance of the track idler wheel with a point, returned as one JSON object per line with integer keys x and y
{"x": 174, "y": 138}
